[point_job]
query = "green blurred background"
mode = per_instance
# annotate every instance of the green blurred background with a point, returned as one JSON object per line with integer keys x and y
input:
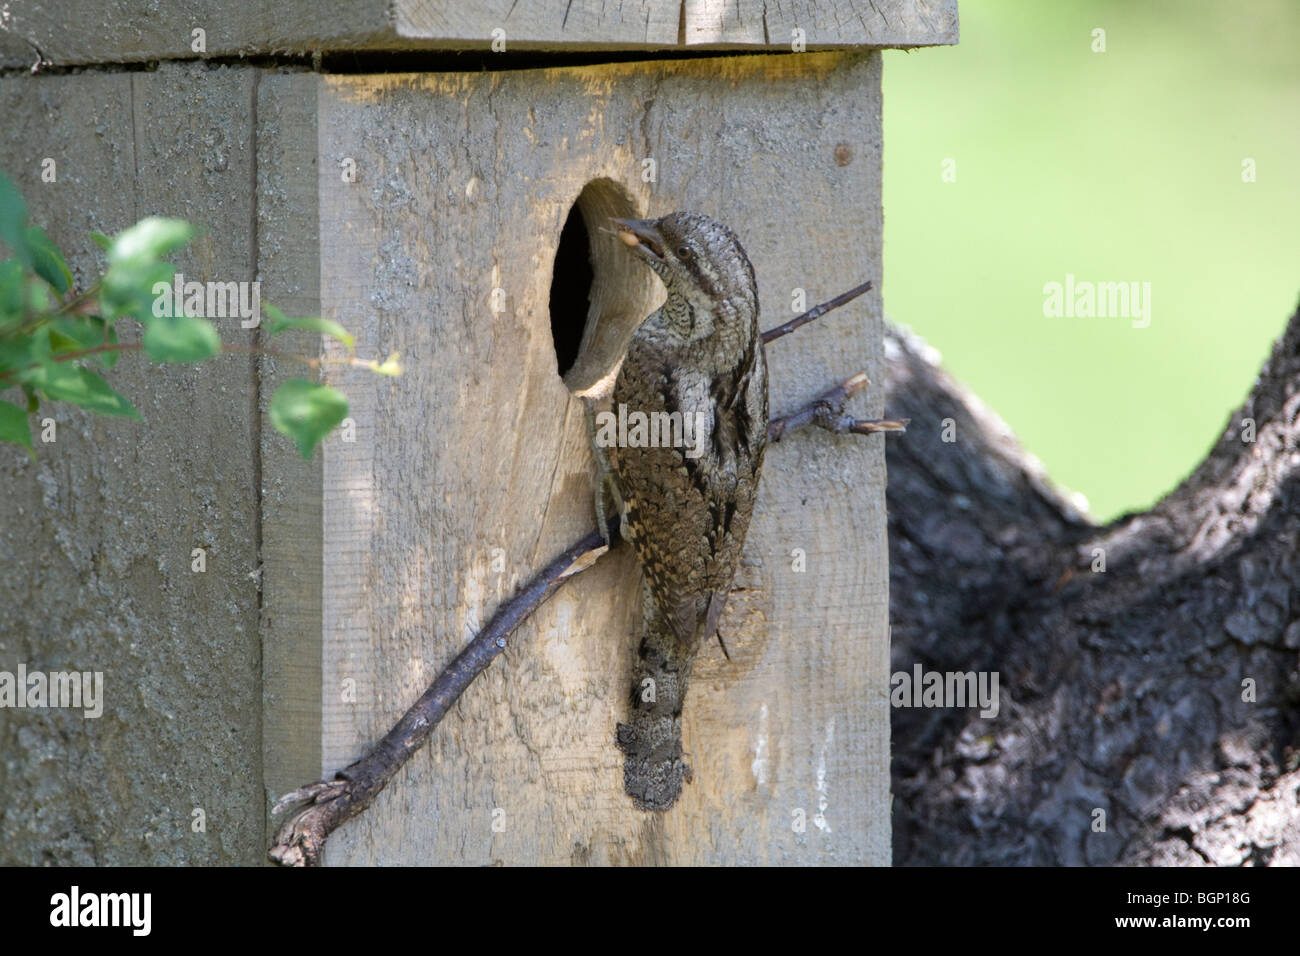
{"x": 1117, "y": 166}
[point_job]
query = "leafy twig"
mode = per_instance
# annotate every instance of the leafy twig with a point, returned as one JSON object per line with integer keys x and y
{"x": 80, "y": 299}
{"x": 311, "y": 361}
{"x": 38, "y": 303}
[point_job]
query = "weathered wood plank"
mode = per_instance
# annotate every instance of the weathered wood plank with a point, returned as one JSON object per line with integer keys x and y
{"x": 823, "y": 23}
{"x": 87, "y": 31}
{"x": 288, "y": 251}
{"x": 97, "y": 535}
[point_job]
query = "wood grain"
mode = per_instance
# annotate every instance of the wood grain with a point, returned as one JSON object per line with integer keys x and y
{"x": 91, "y": 31}
{"x": 465, "y": 183}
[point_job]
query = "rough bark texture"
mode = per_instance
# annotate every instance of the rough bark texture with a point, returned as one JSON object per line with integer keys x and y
{"x": 1121, "y": 691}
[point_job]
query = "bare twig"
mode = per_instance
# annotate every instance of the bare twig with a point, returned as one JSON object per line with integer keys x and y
{"x": 816, "y": 312}
{"x": 827, "y": 411}
{"x": 301, "y": 838}
{"x": 329, "y": 803}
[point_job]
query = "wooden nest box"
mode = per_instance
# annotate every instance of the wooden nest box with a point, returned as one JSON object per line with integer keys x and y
{"x": 450, "y": 212}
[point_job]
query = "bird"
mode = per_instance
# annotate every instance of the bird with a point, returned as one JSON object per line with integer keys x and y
{"x": 685, "y": 507}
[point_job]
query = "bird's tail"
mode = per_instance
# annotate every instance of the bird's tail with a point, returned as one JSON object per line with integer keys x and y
{"x": 651, "y": 740}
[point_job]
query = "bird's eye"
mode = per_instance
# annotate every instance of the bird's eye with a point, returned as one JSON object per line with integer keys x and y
{"x": 684, "y": 252}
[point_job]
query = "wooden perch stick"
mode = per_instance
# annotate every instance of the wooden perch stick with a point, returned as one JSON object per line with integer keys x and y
{"x": 301, "y": 838}
{"x": 827, "y": 411}
{"x": 816, "y": 312}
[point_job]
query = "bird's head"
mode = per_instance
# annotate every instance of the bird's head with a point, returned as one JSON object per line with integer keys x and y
{"x": 698, "y": 258}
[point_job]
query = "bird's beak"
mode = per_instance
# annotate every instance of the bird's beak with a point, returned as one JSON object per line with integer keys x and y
{"x": 642, "y": 237}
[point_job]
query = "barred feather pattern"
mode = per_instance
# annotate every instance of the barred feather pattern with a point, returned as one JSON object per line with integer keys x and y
{"x": 687, "y": 515}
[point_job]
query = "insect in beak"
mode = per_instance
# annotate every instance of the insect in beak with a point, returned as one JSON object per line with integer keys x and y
{"x": 642, "y": 237}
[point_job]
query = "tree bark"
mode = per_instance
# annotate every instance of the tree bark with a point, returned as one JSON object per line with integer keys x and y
{"x": 1126, "y": 691}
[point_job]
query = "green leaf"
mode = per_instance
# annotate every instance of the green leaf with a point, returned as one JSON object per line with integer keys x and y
{"x": 86, "y": 331}
{"x": 15, "y": 352}
{"x": 148, "y": 240}
{"x": 63, "y": 381}
{"x": 109, "y": 359}
{"x": 280, "y": 322}
{"x": 13, "y": 220}
{"x": 181, "y": 338}
{"x": 80, "y": 332}
{"x": 307, "y": 412}
{"x": 102, "y": 240}
{"x": 14, "y": 426}
{"x": 40, "y": 300}
{"x": 47, "y": 261}
{"x": 60, "y": 343}
{"x": 12, "y": 286}
{"x": 127, "y": 289}
{"x": 40, "y": 349}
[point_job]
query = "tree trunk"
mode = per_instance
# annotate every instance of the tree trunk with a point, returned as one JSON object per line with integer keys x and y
{"x": 1162, "y": 691}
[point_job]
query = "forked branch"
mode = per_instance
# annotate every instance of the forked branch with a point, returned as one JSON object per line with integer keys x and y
{"x": 827, "y": 411}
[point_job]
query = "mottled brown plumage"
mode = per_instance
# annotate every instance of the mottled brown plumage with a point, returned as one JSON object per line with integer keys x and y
{"x": 686, "y": 517}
